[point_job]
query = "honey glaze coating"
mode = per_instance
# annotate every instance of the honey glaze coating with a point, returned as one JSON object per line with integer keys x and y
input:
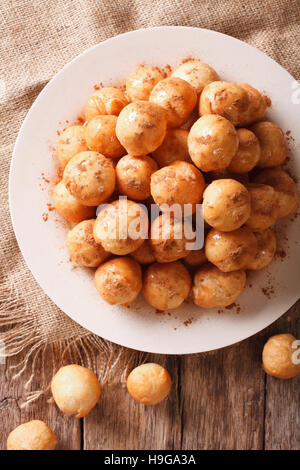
{"x": 177, "y": 97}
{"x": 212, "y": 143}
{"x": 174, "y": 147}
{"x": 100, "y": 134}
{"x": 266, "y": 249}
{"x": 264, "y": 206}
{"x": 226, "y": 204}
{"x": 33, "y": 435}
{"x": 195, "y": 258}
{"x": 230, "y": 251}
{"x": 140, "y": 83}
{"x": 213, "y": 288}
{"x": 149, "y": 383}
{"x": 272, "y": 143}
{"x": 248, "y": 152}
{"x": 144, "y": 254}
{"x": 141, "y": 127}
{"x": 278, "y": 356}
{"x": 257, "y": 105}
{"x": 166, "y": 285}
{"x": 107, "y": 100}
{"x": 134, "y": 176}
{"x": 68, "y": 206}
{"x": 90, "y": 178}
{"x": 82, "y": 247}
{"x": 119, "y": 280}
{"x": 71, "y": 141}
{"x": 196, "y": 73}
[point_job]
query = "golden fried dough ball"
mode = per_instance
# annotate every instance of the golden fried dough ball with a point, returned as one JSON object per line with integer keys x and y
{"x": 278, "y": 356}
{"x": 212, "y": 143}
{"x": 134, "y": 175}
{"x": 107, "y": 100}
{"x": 71, "y": 141}
{"x": 174, "y": 147}
{"x": 119, "y": 280}
{"x": 141, "y": 127}
{"x": 264, "y": 206}
{"x": 248, "y": 153}
{"x": 266, "y": 249}
{"x": 121, "y": 227}
{"x": 272, "y": 142}
{"x": 196, "y": 257}
{"x": 141, "y": 82}
{"x": 90, "y": 178}
{"x": 177, "y": 97}
{"x": 82, "y": 247}
{"x": 226, "y": 204}
{"x": 214, "y": 288}
{"x": 100, "y": 134}
{"x": 149, "y": 383}
{"x": 166, "y": 285}
{"x": 257, "y": 105}
{"x": 196, "y": 73}
{"x": 285, "y": 188}
{"x": 75, "y": 390}
{"x": 226, "y": 99}
{"x": 144, "y": 254}
{"x": 69, "y": 207}
{"x": 170, "y": 238}
{"x": 179, "y": 183}
{"x": 34, "y": 435}
{"x": 230, "y": 251}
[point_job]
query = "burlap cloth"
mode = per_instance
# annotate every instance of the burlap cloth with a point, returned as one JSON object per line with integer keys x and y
{"x": 37, "y": 39}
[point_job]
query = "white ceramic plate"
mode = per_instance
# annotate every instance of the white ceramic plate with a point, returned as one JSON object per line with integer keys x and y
{"x": 42, "y": 243}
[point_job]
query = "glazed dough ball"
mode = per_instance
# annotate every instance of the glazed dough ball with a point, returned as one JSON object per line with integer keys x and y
{"x": 174, "y": 147}
{"x": 166, "y": 285}
{"x": 213, "y": 288}
{"x": 119, "y": 280}
{"x": 272, "y": 142}
{"x": 82, "y": 247}
{"x": 264, "y": 207}
{"x": 75, "y": 390}
{"x": 141, "y": 127}
{"x": 177, "y": 97}
{"x": 230, "y": 251}
{"x": 179, "y": 183}
{"x": 257, "y": 105}
{"x": 134, "y": 175}
{"x": 278, "y": 357}
{"x": 226, "y": 204}
{"x": 100, "y": 134}
{"x": 266, "y": 249}
{"x": 144, "y": 254}
{"x": 170, "y": 238}
{"x": 196, "y": 258}
{"x": 212, "y": 143}
{"x": 71, "y": 141}
{"x": 196, "y": 73}
{"x": 141, "y": 82}
{"x": 69, "y": 207}
{"x": 226, "y": 99}
{"x": 248, "y": 153}
{"x": 121, "y": 227}
{"x": 90, "y": 178}
{"x": 107, "y": 100}
{"x": 34, "y": 435}
{"x": 149, "y": 383}
{"x": 285, "y": 188}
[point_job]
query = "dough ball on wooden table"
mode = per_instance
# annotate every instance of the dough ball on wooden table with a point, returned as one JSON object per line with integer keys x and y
{"x": 107, "y": 100}
{"x": 82, "y": 247}
{"x": 166, "y": 285}
{"x": 195, "y": 258}
{"x": 264, "y": 206}
{"x": 75, "y": 390}
{"x": 140, "y": 83}
{"x": 71, "y": 141}
{"x": 90, "y": 178}
{"x": 257, "y": 105}
{"x": 100, "y": 134}
{"x": 272, "y": 143}
{"x": 248, "y": 152}
{"x": 278, "y": 357}
{"x": 141, "y": 127}
{"x": 177, "y": 97}
{"x": 144, "y": 254}
{"x": 68, "y": 206}
{"x": 119, "y": 280}
{"x": 226, "y": 204}
{"x": 174, "y": 147}
{"x": 212, "y": 143}
{"x": 149, "y": 383}
{"x": 196, "y": 73}
{"x": 266, "y": 249}
{"x": 213, "y": 288}
{"x": 34, "y": 435}
{"x": 134, "y": 175}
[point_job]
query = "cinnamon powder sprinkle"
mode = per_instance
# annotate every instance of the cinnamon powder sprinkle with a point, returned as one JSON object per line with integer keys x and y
{"x": 188, "y": 322}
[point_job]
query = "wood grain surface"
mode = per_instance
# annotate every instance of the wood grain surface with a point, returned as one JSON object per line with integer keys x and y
{"x": 219, "y": 400}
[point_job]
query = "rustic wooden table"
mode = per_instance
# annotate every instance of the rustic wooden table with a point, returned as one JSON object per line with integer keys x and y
{"x": 220, "y": 400}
